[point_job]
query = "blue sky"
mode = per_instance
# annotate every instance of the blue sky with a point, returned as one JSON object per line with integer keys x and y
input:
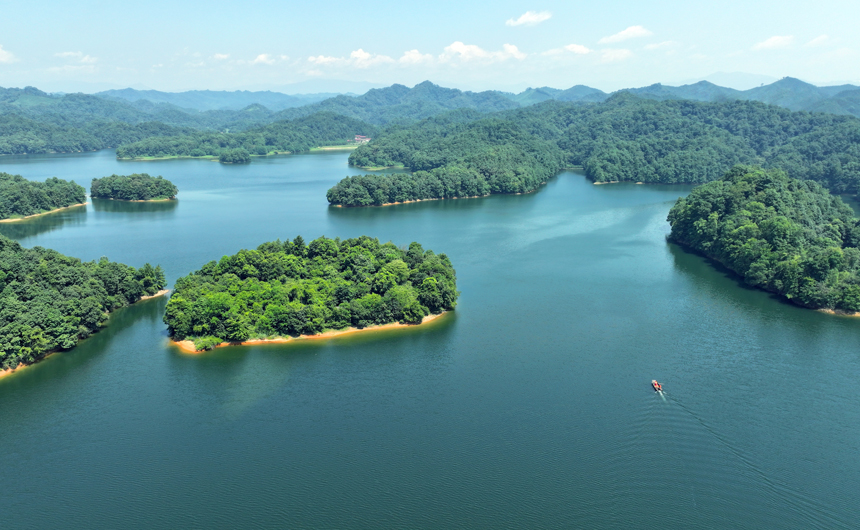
{"x": 509, "y": 45}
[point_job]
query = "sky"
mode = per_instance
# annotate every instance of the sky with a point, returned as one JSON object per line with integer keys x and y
{"x": 302, "y": 47}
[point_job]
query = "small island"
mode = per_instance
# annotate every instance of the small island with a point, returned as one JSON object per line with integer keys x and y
{"x": 135, "y": 187}
{"x": 787, "y": 236}
{"x": 234, "y": 156}
{"x": 290, "y": 289}
{"x": 21, "y": 198}
{"x": 48, "y": 301}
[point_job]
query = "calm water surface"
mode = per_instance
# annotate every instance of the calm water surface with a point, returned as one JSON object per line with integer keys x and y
{"x": 528, "y": 407}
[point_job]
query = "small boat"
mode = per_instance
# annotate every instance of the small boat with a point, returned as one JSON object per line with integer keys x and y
{"x": 657, "y": 386}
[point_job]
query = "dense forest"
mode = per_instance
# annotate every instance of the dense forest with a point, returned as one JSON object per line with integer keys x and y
{"x": 299, "y": 135}
{"x": 49, "y": 301}
{"x": 135, "y": 187}
{"x": 785, "y": 235}
{"x": 627, "y": 138}
{"x": 20, "y": 197}
{"x": 291, "y": 289}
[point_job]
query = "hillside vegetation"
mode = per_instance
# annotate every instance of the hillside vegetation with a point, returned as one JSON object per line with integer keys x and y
{"x": 49, "y": 301}
{"x": 787, "y": 236}
{"x": 625, "y": 138}
{"x": 135, "y": 187}
{"x": 20, "y": 197}
{"x": 290, "y": 289}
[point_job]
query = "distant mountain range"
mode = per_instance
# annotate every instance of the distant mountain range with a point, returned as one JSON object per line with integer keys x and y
{"x": 788, "y": 92}
{"x": 217, "y": 100}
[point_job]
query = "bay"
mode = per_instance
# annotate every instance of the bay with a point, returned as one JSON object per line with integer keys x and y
{"x": 528, "y": 406}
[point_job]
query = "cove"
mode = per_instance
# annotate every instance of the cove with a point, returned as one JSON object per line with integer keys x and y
{"x": 528, "y": 406}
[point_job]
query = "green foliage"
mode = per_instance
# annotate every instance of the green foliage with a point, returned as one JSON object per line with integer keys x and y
{"x": 20, "y": 197}
{"x": 784, "y": 235}
{"x": 49, "y": 301}
{"x": 291, "y": 288}
{"x": 234, "y": 156}
{"x": 625, "y": 138}
{"x": 296, "y": 136}
{"x": 135, "y": 187}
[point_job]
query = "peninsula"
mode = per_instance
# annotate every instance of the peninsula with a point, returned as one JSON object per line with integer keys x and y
{"x": 21, "y": 198}
{"x": 787, "y": 236}
{"x": 48, "y": 301}
{"x": 135, "y": 187}
{"x": 286, "y": 290}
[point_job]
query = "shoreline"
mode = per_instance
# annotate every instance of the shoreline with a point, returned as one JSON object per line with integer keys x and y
{"x": 156, "y": 295}
{"x": 21, "y": 366}
{"x": 839, "y": 313}
{"x": 136, "y": 200}
{"x": 43, "y": 213}
{"x": 438, "y": 199}
{"x": 187, "y": 346}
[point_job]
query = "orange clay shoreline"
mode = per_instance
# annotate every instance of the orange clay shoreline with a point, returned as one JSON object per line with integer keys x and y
{"x": 187, "y": 346}
{"x": 21, "y": 366}
{"x": 41, "y": 214}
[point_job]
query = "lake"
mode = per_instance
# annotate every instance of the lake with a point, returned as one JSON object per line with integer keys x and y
{"x": 529, "y": 406}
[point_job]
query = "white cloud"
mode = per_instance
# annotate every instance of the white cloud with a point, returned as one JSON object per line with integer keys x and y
{"x": 774, "y": 42}
{"x": 630, "y": 33}
{"x": 470, "y": 52}
{"x": 6, "y": 56}
{"x": 415, "y": 57}
{"x": 221, "y": 56}
{"x": 530, "y": 18}
{"x": 817, "y": 41}
{"x": 363, "y": 59}
{"x": 659, "y": 45}
{"x": 264, "y": 58}
{"x": 578, "y": 49}
{"x": 613, "y": 55}
{"x": 87, "y": 59}
{"x": 322, "y": 59}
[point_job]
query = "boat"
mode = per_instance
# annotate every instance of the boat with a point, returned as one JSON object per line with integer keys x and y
{"x": 657, "y": 386}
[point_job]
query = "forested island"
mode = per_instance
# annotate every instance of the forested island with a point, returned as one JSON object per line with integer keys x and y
{"x": 626, "y": 138}
{"x": 20, "y": 197}
{"x": 287, "y": 289}
{"x": 134, "y": 187}
{"x": 784, "y": 235}
{"x": 289, "y": 136}
{"x": 49, "y": 301}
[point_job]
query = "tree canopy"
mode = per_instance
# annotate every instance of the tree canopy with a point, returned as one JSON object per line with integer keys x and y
{"x": 49, "y": 301}
{"x": 785, "y": 235}
{"x": 293, "y": 288}
{"x": 20, "y": 197}
{"x": 134, "y": 187}
{"x": 463, "y": 154}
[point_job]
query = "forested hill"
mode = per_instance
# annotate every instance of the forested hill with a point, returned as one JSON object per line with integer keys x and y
{"x": 49, "y": 301}
{"x": 294, "y": 136}
{"x": 784, "y": 235}
{"x": 20, "y": 197}
{"x": 625, "y": 138}
{"x": 401, "y": 104}
{"x": 217, "y": 99}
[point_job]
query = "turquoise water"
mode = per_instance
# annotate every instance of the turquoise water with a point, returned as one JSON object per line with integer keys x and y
{"x": 529, "y": 406}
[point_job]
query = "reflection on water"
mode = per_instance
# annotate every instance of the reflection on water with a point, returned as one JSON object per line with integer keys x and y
{"x": 17, "y": 230}
{"x": 107, "y": 205}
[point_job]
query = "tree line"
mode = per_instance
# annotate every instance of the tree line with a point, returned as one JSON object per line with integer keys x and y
{"x": 135, "y": 187}
{"x": 49, "y": 301}
{"x": 291, "y": 288}
{"x": 626, "y": 138}
{"x": 784, "y": 235}
{"x": 20, "y": 197}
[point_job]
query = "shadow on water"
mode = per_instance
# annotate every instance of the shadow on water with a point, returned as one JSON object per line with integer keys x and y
{"x": 106, "y": 205}
{"x": 46, "y": 223}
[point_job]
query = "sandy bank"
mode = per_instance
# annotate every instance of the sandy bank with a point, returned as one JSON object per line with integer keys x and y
{"x": 156, "y": 295}
{"x": 187, "y": 346}
{"x": 138, "y": 200}
{"x": 839, "y": 313}
{"x": 40, "y": 214}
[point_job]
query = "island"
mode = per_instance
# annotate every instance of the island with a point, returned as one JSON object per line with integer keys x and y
{"x": 49, "y": 301}
{"x": 234, "y": 156}
{"x": 135, "y": 187}
{"x": 290, "y": 289}
{"x": 21, "y": 198}
{"x": 784, "y": 235}
{"x": 627, "y": 138}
